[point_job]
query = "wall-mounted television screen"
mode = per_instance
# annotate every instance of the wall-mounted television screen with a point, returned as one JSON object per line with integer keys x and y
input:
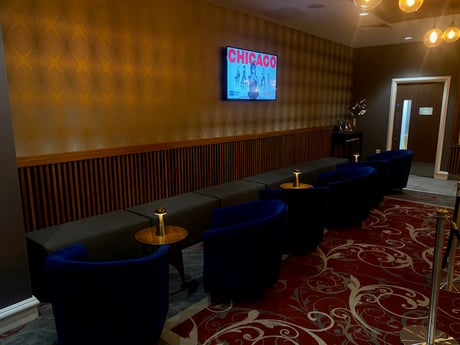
{"x": 249, "y": 75}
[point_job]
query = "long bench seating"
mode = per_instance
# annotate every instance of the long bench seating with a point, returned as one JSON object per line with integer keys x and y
{"x": 111, "y": 235}
{"x": 309, "y": 171}
{"x": 234, "y": 192}
{"x": 189, "y": 210}
{"x": 106, "y": 236}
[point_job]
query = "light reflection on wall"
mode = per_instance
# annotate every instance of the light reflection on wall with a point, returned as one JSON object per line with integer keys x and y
{"x": 89, "y": 74}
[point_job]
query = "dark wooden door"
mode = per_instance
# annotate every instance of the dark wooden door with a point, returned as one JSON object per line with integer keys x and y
{"x": 425, "y": 115}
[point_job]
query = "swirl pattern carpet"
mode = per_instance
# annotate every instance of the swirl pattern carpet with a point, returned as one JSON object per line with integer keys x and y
{"x": 362, "y": 286}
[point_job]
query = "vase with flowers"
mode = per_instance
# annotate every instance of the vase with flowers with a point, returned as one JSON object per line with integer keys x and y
{"x": 359, "y": 109}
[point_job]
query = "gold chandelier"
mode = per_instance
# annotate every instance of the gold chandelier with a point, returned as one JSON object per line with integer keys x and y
{"x": 409, "y": 6}
{"x": 367, "y": 5}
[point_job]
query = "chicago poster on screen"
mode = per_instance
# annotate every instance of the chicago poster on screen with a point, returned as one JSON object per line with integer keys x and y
{"x": 251, "y": 75}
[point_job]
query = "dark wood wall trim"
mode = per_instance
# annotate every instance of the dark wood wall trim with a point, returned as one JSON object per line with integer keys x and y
{"x": 61, "y": 188}
{"x": 455, "y": 139}
{"x": 454, "y": 160}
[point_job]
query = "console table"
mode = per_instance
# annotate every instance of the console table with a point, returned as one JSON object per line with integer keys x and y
{"x": 348, "y": 140}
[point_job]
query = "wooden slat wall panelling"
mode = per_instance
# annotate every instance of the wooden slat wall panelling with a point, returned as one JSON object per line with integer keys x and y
{"x": 60, "y": 209}
{"x": 43, "y": 186}
{"x": 162, "y": 176}
{"x": 144, "y": 184}
{"x": 56, "y": 192}
{"x": 111, "y": 185}
{"x": 78, "y": 196}
{"x": 102, "y": 186}
{"x": 137, "y": 175}
{"x": 180, "y": 169}
{"x": 110, "y": 182}
{"x": 147, "y": 185}
{"x": 72, "y": 198}
{"x": 126, "y": 192}
{"x": 96, "y": 188}
{"x": 85, "y": 182}
{"x": 120, "y": 185}
{"x": 154, "y": 175}
{"x": 35, "y": 193}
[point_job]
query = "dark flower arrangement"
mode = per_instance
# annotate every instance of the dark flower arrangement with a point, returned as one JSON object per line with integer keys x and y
{"x": 355, "y": 111}
{"x": 359, "y": 109}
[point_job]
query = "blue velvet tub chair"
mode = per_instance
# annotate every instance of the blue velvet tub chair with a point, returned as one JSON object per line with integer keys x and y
{"x": 381, "y": 178}
{"x": 113, "y": 302}
{"x": 399, "y": 164}
{"x": 307, "y": 210}
{"x": 242, "y": 251}
{"x": 350, "y": 195}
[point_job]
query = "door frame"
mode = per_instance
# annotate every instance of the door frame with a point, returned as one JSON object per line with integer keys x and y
{"x": 438, "y": 174}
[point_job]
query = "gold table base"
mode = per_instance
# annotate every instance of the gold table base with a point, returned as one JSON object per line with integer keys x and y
{"x": 149, "y": 237}
{"x": 416, "y": 335}
{"x": 290, "y": 185}
{"x": 443, "y": 285}
{"x": 173, "y": 234}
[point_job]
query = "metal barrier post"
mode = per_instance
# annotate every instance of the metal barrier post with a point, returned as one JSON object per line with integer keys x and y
{"x": 451, "y": 282}
{"x": 413, "y": 335}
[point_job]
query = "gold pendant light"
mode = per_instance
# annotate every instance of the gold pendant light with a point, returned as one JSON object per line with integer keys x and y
{"x": 433, "y": 38}
{"x": 367, "y": 5}
{"x": 452, "y": 33}
{"x": 410, "y": 6}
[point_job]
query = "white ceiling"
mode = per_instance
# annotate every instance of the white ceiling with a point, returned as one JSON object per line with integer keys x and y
{"x": 339, "y": 20}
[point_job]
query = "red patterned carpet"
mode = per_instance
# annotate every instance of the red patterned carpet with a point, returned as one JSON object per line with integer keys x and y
{"x": 362, "y": 286}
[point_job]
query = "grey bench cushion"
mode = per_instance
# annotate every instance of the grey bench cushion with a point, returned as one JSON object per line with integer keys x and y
{"x": 189, "y": 210}
{"x": 310, "y": 170}
{"x": 108, "y": 236}
{"x": 233, "y": 192}
{"x": 272, "y": 179}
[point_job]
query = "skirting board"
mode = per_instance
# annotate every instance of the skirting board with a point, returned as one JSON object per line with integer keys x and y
{"x": 18, "y": 314}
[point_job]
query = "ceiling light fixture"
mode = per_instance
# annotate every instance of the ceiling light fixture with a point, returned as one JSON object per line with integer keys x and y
{"x": 433, "y": 38}
{"x": 409, "y": 6}
{"x": 367, "y": 5}
{"x": 452, "y": 33}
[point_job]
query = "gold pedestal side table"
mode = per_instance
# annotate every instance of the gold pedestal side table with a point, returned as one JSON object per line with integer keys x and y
{"x": 150, "y": 239}
{"x": 291, "y": 185}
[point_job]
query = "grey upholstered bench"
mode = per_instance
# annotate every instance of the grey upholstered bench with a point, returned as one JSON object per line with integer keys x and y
{"x": 234, "y": 192}
{"x": 272, "y": 179}
{"x": 108, "y": 236}
{"x": 309, "y": 171}
{"x": 189, "y": 210}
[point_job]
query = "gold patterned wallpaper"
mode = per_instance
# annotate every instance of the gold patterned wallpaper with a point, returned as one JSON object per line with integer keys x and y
{"x": 91, "y": 74}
